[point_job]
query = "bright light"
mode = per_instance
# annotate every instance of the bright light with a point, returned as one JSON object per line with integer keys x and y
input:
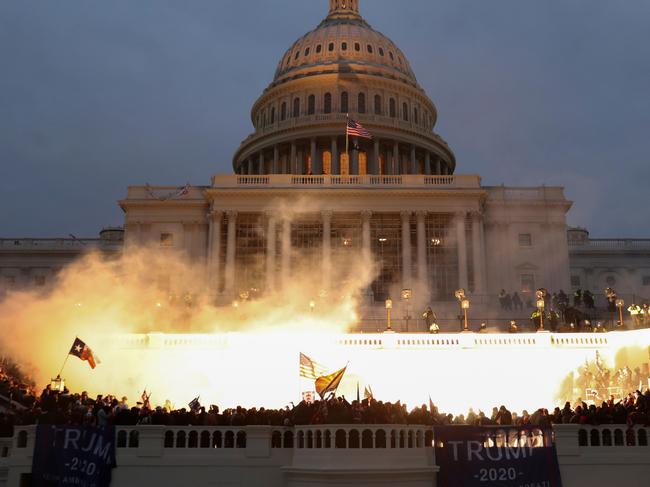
{"x": 389, "y": 303}
{"x": 540, "y": 303}
{"x": 465, "y": 303}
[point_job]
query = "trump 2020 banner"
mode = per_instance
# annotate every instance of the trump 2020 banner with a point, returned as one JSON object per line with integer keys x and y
{"x": 73, "y": 456}
{"x": 471, "y": 456}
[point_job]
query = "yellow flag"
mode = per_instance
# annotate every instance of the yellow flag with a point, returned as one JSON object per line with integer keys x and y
{"x": 329, "y": 383}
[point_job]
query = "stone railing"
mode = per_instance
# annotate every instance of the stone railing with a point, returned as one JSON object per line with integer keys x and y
{"x": 55, "y": 243}
{"x": 309, "y": 121}
{"x": 613, "y": 436}
{"x": 397, "y": 181}
{"x": 611, "y": 244}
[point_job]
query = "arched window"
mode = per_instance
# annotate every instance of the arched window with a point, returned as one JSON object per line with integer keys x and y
{"x": 405, "y": 112}
{"x": 381, "y": 51}
{"x": 330, "y": 47}
{"x": 307, "y": 51}
{"x": 415, "y": 116}
{"x": 357, "y": 46}
{"x": 311, "y": 105}
{"x": 344, "y": 46}
{"x": 327, "y": 103}
{"x": 392, "y": 108}
{"x": 296, "y": 56}
{"x": 390, "y": 54}
{"x": 361, "y": 103}
{"x": 283, "y": 112}
{"x": 319, "y": 48}
{"x": 377, "y": 105}
{"x": 344, "y": 102}
{"x": 296, "y": 107}
{"x": 369, "y": 49}
{"x": 272, "y": 115}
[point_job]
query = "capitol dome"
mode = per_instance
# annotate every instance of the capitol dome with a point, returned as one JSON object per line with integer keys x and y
{"x": 344, "y": 69}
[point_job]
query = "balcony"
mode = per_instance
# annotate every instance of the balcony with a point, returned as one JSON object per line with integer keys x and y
{"x": 411, "y": 181}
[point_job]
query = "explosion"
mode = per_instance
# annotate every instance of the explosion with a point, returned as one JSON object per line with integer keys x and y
{"x": 179, "y": 343}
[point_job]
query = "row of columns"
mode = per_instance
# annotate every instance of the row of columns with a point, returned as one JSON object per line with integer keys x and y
{"x": 296, "y": 163}
{"x": 477, "y": 235}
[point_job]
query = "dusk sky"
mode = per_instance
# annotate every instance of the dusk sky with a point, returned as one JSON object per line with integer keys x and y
{"x": 99, "y": 95}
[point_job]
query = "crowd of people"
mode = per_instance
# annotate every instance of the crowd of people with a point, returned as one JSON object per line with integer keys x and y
{"x": 15, "y": 386}
{"x": 66, "y": 408}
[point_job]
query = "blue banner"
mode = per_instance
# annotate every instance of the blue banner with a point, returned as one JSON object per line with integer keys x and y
{"x": 73, "y": 456}
{"x": 497, "y": 456}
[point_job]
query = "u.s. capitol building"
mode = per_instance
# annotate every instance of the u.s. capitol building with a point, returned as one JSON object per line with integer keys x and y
{"x": 301, "y": 192}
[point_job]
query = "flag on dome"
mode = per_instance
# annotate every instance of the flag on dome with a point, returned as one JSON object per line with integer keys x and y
{"x": 83, "y": 351}
{"x": 355, "y": 129}
{"x": 310, "y": 369}
{"x": 329, "y": 383}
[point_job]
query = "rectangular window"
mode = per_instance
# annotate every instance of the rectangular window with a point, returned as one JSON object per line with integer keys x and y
{"x": 527, "y": 283}
{"x": 575, "y": 281}
{"x": 646, "y": 280}
{"x": 525, "y": 240}
{"x": 166, "y": 239}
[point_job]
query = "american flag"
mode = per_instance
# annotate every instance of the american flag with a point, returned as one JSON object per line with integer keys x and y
{"x": 310, "y": 369}
{"x": 355, "y": 129}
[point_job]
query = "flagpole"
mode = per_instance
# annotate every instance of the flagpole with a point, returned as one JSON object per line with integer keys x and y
{"x": 66, "y": 357}
{"x": 347, "y": 138}
{"x": 63, "y": 366}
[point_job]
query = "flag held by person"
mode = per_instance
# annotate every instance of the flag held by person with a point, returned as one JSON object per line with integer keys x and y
{"x": 367, "y": 393}
{"x": 355, "y": 129}
{"x": 81, "y": 350}
{"x": 195, "y": 405}
{"x": 310, "y": 369}
{"x": 329, "y": 383}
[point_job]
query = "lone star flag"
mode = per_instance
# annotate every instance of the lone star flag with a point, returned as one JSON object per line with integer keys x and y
{"x": 309, "y": 369}
{"x": 355, "y": 129}
{"x": 83, "y": 351}
{"x": 329, "y": 383}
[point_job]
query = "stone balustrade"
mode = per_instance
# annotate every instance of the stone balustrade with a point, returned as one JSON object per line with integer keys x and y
{"x": 319, "y": 454}
{"x": 389, "y": 181}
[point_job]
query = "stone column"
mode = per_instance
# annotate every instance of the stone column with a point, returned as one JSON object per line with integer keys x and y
{"x": 366, "y": 251}
{"x": 414, "y": 161}
{"x": 354, "y": 160}
{"x": 260, "y": 169}
{"x": 327, "y": 249}
{"x": 270, "y": 253}
{"x": 396, "y": 161}
{"x": 422, "y": 248}
{"x": 316, "y": 170}
{"x": 336, "y": 163}
{"x": 375, "y": 158}
{"x": 286, "y": 252}
{"x": 276, "y": 159}
{"x": 292, "y": 159}
{"x": 438, "y": 168}
{"x": 229, "y": 286}
{"x": 427, "y": 162}
{"x": 461, "y": 242}
{"x": 478, "y": 254}
{"x": 214, "y": 250}
{"x": 407, "y": 261}
{"x": 249, "y": 169}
